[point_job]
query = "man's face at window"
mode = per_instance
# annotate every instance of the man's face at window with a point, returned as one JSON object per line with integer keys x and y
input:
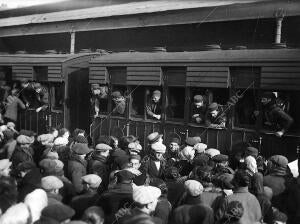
{"x": 214, "y": 113}
{"x": 155, "y": 98}
{"x": 174, "y": 147}
{"x": 96, "y": 91}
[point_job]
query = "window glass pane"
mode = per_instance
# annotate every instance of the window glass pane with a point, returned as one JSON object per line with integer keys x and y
{"x": 118, "y": 101}
{"x": 175, "y": 103}
{"x": 138, "y": 101}
{"x": 99, "y": 99}
{"x": 154, "y": 103}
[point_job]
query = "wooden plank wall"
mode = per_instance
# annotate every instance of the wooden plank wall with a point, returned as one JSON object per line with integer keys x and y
{"x": 98, "y": 74}
{"x": 22, "y": 72}
{"x": 55, "y": 73}
{"x": 144, "y": 75}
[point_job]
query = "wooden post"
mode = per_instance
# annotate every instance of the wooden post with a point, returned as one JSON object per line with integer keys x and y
{"x": 72, "y": 46}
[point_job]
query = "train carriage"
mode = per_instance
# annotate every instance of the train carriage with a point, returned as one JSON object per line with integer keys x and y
{"x": 65, "y": 77}
{"x": 234, "y": 78}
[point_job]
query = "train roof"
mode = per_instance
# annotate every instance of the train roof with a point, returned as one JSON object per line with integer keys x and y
{"x": 145, "y": 14}
{"x": 200, "y": 56}
{"x": 10, "y": 59}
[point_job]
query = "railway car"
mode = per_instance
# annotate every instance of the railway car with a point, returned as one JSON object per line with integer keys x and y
{"x": 235, "y": 79}
{"x": 64, "y": 78}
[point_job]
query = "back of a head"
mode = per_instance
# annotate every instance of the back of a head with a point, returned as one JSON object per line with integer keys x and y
{"x": 241, "y": 179}
{"x": 93, "y": 215}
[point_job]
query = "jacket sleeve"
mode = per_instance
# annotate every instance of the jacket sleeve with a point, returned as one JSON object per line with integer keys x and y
{"x": 21, "y": 104}
{"x": 76, "y": 180}
{"x": 284, "y": 120}
{"x": 148, "y": 110}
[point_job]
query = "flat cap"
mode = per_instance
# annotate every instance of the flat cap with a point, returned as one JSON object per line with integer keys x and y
{"x": 191, "y": 141}
{"x": 212, "y": 152}
{"x": 175, "y": 140}
{"x": 81, "y": 149}
{"x": 116, "y": 94}
{"x": 92, "y": 179}
{"x": 198, "y": 98}
{"x": 101, "y": 147}
{"x": 193, "y": 187}
{"x": 4, "y": 164}
{"x": 187, "y": 151}
{"x": 279, "y": 160}
{"x": 27, "y": 133}
{"x": 251, "y": 151}
{"x": 45, "y": 138}
{"x": 51, "y": 155}
{"x": 153, "y": 137}
{"x": 81, "y": 139}
{"x": 213, "y": 106}
{"x": 200, "y": 147}
{"x": 23, "y": 139}
{"x": 60, "y": 141}
{"x": 58, "y": 212}
{"x": 156, "y": 93}
{"x": 27, "y": 165}
{"x": 145, "y": 194}
{"x": 124, "y": 175}
{"x": 220, "y": 158}
{"x": 49, "y": 183}
{"x": 51, "y": 165}
{"x": 158, "y": 147}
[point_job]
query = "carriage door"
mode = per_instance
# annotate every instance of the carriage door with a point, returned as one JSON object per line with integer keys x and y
{"x": 78, "y": 91}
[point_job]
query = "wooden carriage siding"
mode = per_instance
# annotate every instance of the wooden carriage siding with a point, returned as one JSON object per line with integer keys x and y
{"x": 203, "y": 69}
{"x": 58, "y": 68}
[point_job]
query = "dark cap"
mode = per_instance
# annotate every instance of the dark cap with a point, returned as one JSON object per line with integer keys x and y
{"x": 81, "y": 149}
{"x": 220, "y": 158}
{"x": 251, "y": 151}
{"x": 58, "y": 212}
{"x": 268, "y": 95}
{"x": 27, "y": 133}
{"x": 198, "y": 99}
{"x": 116, "y": 94}
{"x": 27, "y": 165}
{"x": 191, "y": 141}
{"x": 213, "y": 106}
{"x": 156, "y": 93}
{"x": 124, "y": 175}
{"x": 81, "y": 139}
{"x": 175, "y": 140}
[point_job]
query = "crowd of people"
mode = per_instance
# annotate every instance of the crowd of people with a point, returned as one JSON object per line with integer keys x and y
{"x": 57, "y": 178}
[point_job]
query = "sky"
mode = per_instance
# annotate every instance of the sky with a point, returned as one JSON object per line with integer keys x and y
{"x": 25, "y": 3}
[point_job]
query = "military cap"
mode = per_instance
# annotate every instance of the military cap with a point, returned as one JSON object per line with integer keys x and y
{"x": 156, "y": 93}
{"x": 101, "y": 147}
{"x": 81, "y": 149}
{"x": 145, "y": 194}
{"x": 191, "y": 141}
{"x": 198, "y": 98}
{"x": 193, "y": 187}
{"x": 220, "y": 158}
{"x": 49, "y": 183}
{"x": 213, "y": 106}
{"x": 23, "y": 139}
{"x": 158, "y": 147}
{"x": 92, "y": 180}
{"x": 212, "y": 152}
{"x": 175, "y": 140}
{"x": 200, "y": 147}
{"x": 116, "y": 94}
{"x": 4, "y": 164}
{"x": 153, "y": 137}
{"x": 251, "y": 151}
{"x": 58, "y": 212}
{"x": 51, "y": 165}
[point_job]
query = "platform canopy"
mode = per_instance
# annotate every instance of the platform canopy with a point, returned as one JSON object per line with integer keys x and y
{"x": 145, "y": 14}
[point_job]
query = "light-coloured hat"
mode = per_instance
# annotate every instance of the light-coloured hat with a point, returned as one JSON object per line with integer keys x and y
{"x": 18, "y": 213}
{"x": 4, "y": 164}
{"x": 45, "y": 138}
{"x": 145, "y": 194}
{"x": 37, "y": 200}
{"x": 92, "y": 179}
{"x": 188, "y": 152}
{"x": 101, "y": 147}
{"x": 153, "y": 137}
{"x": 60, "y": 141}
{"x": 193, "y": 187}
{"x": 200, "y": 147}
{"x": 158, "y": 147}
{"x": 49, "y": 183}
{"x": 23, "y": 139}
{"x": 212, "y": 152}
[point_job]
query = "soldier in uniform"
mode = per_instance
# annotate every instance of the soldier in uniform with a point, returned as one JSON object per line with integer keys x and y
{"x": 274, "y": 117}
{"x": 198, "y": 109}
{"x": 215, "y": 116}
{"x": 153, "y": 108}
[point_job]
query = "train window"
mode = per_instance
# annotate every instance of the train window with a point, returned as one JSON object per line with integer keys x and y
{"x": 6, "y": 73}
{"x": 175, "y": 103}
{"x": 244, "y": 82}
{"x": 99, "y": 99}
{"x": 40, "y": 73}
{"x": 117, "y": 75}
{"x": 118, "y": 98}
{"x": 57, "y": 96}
{"x": 137, "y": 108}
{"x": 154, "y": 103}
{"x": 201, "y": 98}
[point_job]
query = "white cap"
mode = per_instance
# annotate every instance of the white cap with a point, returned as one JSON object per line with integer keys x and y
{"x": 212, "y": 152}
{"x": 193, "y": 187}
{"x": 145, "y": 194}
{"x": 200, "y": 147}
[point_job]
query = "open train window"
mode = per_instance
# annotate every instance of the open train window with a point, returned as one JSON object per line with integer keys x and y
{"x": 117, "y": 76}
{"x": 137, "y": 107}
{"x": 57, "y": 96}
{"x": 99, "y": 99}
{"x": 174, "y": 80}
{"x": 153, "y": 106}
{"x": 244, "y": 83}
{"x": 201, "y": 98}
